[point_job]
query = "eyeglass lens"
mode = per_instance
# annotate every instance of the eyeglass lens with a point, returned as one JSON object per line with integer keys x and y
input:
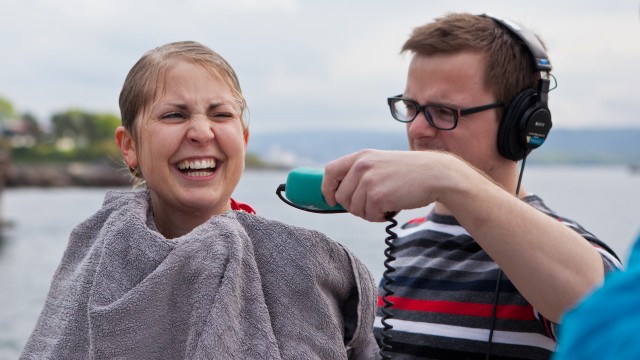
{"x": 439, "y": 117}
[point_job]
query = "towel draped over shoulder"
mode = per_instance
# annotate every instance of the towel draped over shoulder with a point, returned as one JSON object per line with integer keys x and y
{"x": 236, "y": 287}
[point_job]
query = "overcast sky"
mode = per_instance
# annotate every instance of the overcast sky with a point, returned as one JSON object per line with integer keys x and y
{"x": 306, "y": 64}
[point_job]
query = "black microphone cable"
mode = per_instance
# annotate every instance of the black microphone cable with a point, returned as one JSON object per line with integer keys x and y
{"x": 282, "y": 187}
{"x": 496, "y": 293}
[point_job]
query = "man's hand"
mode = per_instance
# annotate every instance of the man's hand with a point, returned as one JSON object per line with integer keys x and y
{"x": 370, "y": 183}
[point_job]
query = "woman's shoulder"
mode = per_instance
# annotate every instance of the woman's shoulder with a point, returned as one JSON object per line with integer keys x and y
{"x": 117, "y": 203}
{"x": 270, "y": 232}
{"x": 259, "y": 224}
{"x": 119, "y": 197}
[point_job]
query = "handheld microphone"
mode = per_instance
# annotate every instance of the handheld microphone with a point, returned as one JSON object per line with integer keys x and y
{"x": 303, "y": 191}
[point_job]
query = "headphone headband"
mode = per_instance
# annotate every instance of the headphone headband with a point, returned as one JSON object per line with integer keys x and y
{"x": 527, "y": 120}
{"x": 532, "y": 43}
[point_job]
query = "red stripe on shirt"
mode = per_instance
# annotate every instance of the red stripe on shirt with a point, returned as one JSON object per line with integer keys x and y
{"x": 511, "y": 312}
{"x": 417, "y": 221}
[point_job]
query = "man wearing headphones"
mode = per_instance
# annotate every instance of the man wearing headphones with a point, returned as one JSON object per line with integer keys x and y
{"x": 491, "y": 270}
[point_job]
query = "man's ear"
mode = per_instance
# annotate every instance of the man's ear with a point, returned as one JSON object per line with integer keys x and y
{"x": 127, "y": 146}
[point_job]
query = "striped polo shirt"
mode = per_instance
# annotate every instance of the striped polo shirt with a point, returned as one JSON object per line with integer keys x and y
{"x": 444, "y": 293}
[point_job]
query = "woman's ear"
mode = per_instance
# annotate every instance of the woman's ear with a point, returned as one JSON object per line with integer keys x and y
{"x": 246, "y": 139}
{"x": 127, "y": 147}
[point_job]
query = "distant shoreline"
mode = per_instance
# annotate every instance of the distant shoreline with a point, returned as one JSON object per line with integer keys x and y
{"x": 80, "y": 174}
{"x": 65, "y": 174}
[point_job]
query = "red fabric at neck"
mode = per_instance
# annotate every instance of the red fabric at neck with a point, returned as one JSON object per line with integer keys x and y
{"x": 236, "y": 205}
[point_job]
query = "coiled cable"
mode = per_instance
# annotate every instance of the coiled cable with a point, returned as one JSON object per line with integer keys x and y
{"x": 386, "y": 286}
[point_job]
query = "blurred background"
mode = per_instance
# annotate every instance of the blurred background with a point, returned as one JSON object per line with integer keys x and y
{"x": 316, "y": 76}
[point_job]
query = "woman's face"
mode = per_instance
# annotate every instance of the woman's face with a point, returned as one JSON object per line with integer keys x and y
{"x": 190, "y": 146}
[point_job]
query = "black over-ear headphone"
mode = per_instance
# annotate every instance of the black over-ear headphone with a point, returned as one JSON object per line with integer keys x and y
{"x": 527, "y": 121}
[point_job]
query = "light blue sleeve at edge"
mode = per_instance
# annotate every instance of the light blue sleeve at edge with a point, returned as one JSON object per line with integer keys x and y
{"x": 606, "y": 324}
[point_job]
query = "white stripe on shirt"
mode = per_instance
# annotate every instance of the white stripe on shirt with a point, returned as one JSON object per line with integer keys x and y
{"x": 460, "y": 332}
{"x": 455, "y": 230}
{"x": 444, "y": 264}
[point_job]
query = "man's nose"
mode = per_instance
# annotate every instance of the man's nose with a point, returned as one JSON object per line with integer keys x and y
{"x": 420, "y": 127}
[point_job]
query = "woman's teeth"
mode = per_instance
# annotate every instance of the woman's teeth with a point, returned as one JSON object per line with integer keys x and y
{"x": 203, "y": 167}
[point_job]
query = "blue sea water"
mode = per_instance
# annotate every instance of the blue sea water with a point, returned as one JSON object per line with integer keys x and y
{"x": 38, "y": 221}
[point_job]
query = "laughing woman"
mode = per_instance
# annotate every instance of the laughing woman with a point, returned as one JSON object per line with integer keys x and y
{"x": 179, "y": 270}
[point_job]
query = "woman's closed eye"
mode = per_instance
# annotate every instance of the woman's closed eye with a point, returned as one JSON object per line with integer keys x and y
{"x": 173, "y": 116}
{"x": 222, "y": 115}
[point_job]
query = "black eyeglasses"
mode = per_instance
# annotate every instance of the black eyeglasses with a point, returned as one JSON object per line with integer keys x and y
{"x": 439, "y": 116}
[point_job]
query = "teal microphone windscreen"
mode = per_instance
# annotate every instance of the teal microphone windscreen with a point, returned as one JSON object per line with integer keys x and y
{"x": 303, "y": 189}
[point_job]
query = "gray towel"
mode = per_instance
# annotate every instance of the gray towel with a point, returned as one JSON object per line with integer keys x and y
{"x": 237, "y": 287}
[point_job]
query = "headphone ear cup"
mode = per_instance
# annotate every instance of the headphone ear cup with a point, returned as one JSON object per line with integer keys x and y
{"x": 510, "y": 144}
{"x": 536, "y": 127}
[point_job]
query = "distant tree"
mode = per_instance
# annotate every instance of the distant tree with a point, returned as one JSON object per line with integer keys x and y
{"x": 33, "y": 127}
{"x": 6, "y": 113}
{"x": 106, "y": 125}
{"x": 84, "y": 128}
{"x": 6, "y": 110}
{"x": 69, "y": 125}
